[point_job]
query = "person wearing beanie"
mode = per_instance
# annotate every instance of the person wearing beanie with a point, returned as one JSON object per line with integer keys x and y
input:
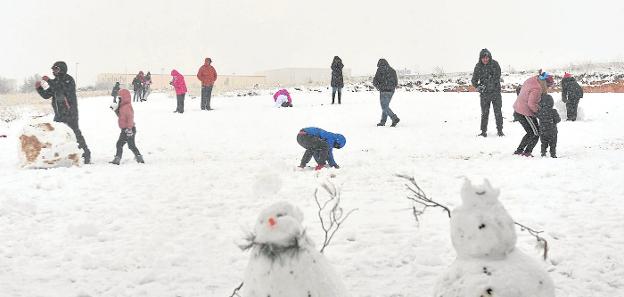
{"x": 179, "y": 85}
{"x": 319, "y": 144}
{"x": 486, "y": 79}
{"x": 386, "y": 81}
{"x": 548, "y": 118}
{"x": 125, "y": 120}
{"x": 337, "y": 82}
{"x": 207, "y": 75}
{"x": 62, "y": 90}
{"x": 571, "y": 94}
{"x": 526, "y": 106}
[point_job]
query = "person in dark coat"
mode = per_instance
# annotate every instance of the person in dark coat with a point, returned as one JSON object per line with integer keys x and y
{"x": 386, "y": 81}
{"x": 486, "y": 79}
{"x": 62, "y": 90}
{"x": 337, "y": 82}
{"x": 319, "y": 144}
{"x": 548, "y": 118}
{"x": 137, "y": 84}
{"x": 115, "y": 91}
{"x": 571, "y": 94}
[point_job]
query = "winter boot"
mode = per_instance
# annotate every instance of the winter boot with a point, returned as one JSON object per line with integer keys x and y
{"x": 319, "y": 167}
{"x": 380, "y": 124}
{"x": 116, "y": 160}
{"x": 139, "y": 159}
{"x": 500, "y": 133}
{"x": 483, "y": 133}
{"x": 517, "y": 153}
{"x": 528, "y": 155}
{"x": 395, "y": 121}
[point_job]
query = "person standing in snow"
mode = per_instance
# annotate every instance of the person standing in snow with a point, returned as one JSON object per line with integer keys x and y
{"x": 548, "y": 118}
{"x": 386, "y": 81}
{"x": 147, "y": 82}
{"x": 137, "y": 84}
{"x": 525, "y": 108}
{"x": 115, "y": 91}
{"x": 282, "y": 98}
{"x": 571, "y": 94}
{"x": 207, "y": 75}
{"x": 125, "y": 120}
{"x": 319, "y": 144}
{"x": 62, "y": 90}
{"x": 337, "y": 82}
{"x": 180, "y": 88}
{"x": 486, "y": 78}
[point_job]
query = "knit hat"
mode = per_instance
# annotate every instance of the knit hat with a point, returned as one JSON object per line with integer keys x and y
{"x": 566, "y": 75}
{"x": 547, "y": 77}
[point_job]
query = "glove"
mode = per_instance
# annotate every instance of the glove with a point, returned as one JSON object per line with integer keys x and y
{"x": 45, "y": 77}
{"x": 481, "y": 88}
{"x": 37, "y": 84}
{"x": 128, "y": 132}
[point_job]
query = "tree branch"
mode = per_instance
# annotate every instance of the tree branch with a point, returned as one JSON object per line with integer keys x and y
{"x": 333, "y": 217}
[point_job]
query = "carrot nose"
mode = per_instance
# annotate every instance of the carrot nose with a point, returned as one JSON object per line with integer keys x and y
{"x": 272, "y": 222}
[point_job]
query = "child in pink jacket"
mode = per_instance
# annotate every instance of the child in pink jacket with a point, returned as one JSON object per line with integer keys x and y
{"x": 180, "y": 88}
{"x": 125, "y": 112}
{"x": 282, "y": 98}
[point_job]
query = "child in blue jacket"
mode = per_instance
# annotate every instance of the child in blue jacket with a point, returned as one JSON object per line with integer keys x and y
{"x": 319, "y": 144}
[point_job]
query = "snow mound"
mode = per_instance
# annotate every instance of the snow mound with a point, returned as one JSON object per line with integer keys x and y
{"x": 45, "y": 144}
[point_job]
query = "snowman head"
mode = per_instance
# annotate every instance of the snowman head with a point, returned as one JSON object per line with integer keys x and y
{"x": 481, "y": 227}
{"x": 279, "y": 225}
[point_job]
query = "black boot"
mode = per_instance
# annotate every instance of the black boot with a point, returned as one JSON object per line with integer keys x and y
{"x": 116, "y": 160}
{"x": 395, "y": 121}
{"x": 483, "y": 133}
{"x": 500, "y": 133}
{"x": 139, "y": 159}
{"x": 87, "y": 156}
{"x": 380, "y": 124}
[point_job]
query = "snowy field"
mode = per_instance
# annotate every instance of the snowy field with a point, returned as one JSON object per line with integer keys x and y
{"x": 169, "y": 227}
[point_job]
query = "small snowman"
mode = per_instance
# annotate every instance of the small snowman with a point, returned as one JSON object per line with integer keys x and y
{"x": 488, "y": 262}
{"x": 284, "y": 261}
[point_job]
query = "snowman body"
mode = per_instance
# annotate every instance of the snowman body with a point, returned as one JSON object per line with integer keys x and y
{"x": 488, "y": 263}
{"x": 284, "y": 262}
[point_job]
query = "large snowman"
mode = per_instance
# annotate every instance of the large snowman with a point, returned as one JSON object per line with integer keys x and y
{"x": 284, "y": 261}
{"x": 488, "y": 263}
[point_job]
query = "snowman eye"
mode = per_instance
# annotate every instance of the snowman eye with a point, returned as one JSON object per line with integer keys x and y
{"x": 279, "y": 215}
{"x": 480, "y": 193}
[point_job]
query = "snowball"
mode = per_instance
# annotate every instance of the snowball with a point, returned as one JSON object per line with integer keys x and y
{"x": 45, "y": 144}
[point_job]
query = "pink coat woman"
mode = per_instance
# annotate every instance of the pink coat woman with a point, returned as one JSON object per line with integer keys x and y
{"x": 178, "y": 82}
{"x": 526, "y": 106}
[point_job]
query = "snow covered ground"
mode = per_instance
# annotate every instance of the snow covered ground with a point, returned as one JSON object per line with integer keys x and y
{"x": 168, "y": 227}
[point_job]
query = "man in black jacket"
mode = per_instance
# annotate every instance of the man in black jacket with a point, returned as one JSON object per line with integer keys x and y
{"x": 337, "y": 82}
{"x": 62, "y": 90}
{"x": 571, "y": 94}
{"x": 486, "y": 78}
{"x": 386, "y": 82}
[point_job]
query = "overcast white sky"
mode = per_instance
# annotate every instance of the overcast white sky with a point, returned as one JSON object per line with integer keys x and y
{"x": 246, "y": 36}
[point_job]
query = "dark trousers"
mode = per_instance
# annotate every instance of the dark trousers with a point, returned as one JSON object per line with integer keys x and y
{"x": 137, "y": 95}
{"x": 384, "y": 100}
{"x": 123, "y": 138}
{"x": 531, "y": 127}
{"x": 571, "y": 109}
{"x": 549, "y": 139}
{"x": 334, "y": 91}
{"x": 180, "y": 107}
{"x": 496, "y": 101}
{"x": 315, "y": 147}
{"x": 206, "y": 93}
{"x": 82, "y": 143}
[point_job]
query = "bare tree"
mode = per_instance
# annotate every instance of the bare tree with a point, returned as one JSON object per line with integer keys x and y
{"x": 6, "y": 85}
{"x": 330, "y": 213}
{"x": 421, "y": 198}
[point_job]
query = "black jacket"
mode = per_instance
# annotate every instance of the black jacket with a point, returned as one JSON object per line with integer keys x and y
{"x": 62, "y": 90}
{"x": 386, "y": 79}
{"x": 336, "y": 78}
{"x": 115, "y": 90}
{"x": 548, "y": 117}
{"x": 570, "y": 90}
{"x": 137, "y": 83}
{"x": 487, "y": 75}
